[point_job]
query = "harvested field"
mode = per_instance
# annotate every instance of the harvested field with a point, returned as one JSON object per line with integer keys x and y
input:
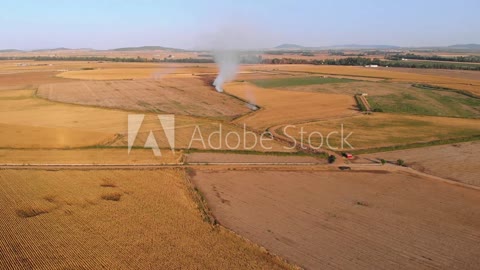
{"x": 113, "y": 220}
{"x": 32, "y": 79}
{"x": 457, "y": 162}
{"x": 251, "y": 158}
{"x": 383, "y": 129}
{"x": 153, "y": 71}
{"x": 349, "y": 220}
{"x": 86, "y": 156}
{"x": 181, "y": 96}
{"x": 460, "y": 74}
{"x": 285, "y": 107}
{"x": 57, "y": 125}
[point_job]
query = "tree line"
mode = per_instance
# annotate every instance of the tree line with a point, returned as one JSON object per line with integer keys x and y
{"x": 466, "y": 59}
{"x": 255, "y": 59}
{"x": 362, "y": 61}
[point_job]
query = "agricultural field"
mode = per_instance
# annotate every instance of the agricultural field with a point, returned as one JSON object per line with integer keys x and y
{"x": 58, "y": 125}
{"x": 94, "y": 156}
{"x": 146, "y": 71}
{"x": 180, "y": 96}
{"x": 282, "y": 158}
{"x": 297, "y": 81}
{"x": 349, "y": 220}
{"x": 467, "y": 84}
{"x": 277, "y": 106}
{"x": 114, "y": 219}
{"x": 457, "y": 162}
{"x": 58, "y": 115}
{"x": 383, "y": 130}
{"x": 403, "y": 98}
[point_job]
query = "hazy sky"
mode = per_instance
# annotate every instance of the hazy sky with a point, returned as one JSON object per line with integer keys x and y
{"x": 258, "y": 23}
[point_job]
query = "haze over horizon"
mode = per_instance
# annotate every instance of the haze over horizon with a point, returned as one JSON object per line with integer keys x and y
{"x": 249, "y": 24}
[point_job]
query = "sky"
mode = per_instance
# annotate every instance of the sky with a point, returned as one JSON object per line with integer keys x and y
{"x": 103, "y": 24}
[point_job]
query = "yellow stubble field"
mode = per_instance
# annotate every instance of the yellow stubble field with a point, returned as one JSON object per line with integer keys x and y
{"x": 287, "y": 107}
{"x": 113, "y": 219}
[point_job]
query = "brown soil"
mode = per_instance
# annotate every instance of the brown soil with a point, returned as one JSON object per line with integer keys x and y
{"x": 350, "y": 220}
{"x": 458, "y": 162}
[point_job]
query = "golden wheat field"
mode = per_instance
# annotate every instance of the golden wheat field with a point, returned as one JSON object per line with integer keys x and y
{"x": 282, "y": 107}
{"x": 95, "y": 156}
{"x": 57, "y": 125}
{"x": 113, "y": 220}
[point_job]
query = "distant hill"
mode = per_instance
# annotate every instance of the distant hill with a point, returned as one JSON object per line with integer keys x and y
{"x": 289, "y": 46}
{"x": 466, "y": 46}
{"x": 357, "y": 46}
{"x": 10, "y": 50}
{"x": 52, "y": 49}
{"x": 147, "y": 48}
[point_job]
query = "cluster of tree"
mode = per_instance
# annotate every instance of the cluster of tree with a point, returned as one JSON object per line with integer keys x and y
{"x": 341, "y": 53}
{"x": 431, "y": 65}
{"x": 296, "y": 52}
{"x": 349, "y": 61}
{"x": 186, "y": 60}
{"x": 468, "y": 59}
{"x": 307, "y": 54}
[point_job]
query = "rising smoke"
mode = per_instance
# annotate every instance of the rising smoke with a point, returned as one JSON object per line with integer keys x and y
{"x": 227, "y": 61}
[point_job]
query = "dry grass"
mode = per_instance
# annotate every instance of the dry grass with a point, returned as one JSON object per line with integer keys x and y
{"x": 155, "y": 224}
{"x": 282, "y": 107}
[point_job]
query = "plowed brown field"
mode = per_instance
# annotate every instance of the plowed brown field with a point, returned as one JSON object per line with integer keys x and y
{"x": 457, "y": 162}
{"x": 350, "y": 220}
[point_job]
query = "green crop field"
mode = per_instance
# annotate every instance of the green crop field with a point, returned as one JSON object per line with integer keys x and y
{"x": 297, "y": 81}
{"x": 433, "y": 102}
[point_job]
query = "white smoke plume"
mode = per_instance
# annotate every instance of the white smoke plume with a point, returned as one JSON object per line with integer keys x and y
{"x": 227, "y": 62}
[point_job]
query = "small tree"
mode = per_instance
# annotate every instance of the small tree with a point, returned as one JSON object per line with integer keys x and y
{"x": 400, "y": 162}
{"x": 383, "y": 161}
{"x": 331, "y": 159}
